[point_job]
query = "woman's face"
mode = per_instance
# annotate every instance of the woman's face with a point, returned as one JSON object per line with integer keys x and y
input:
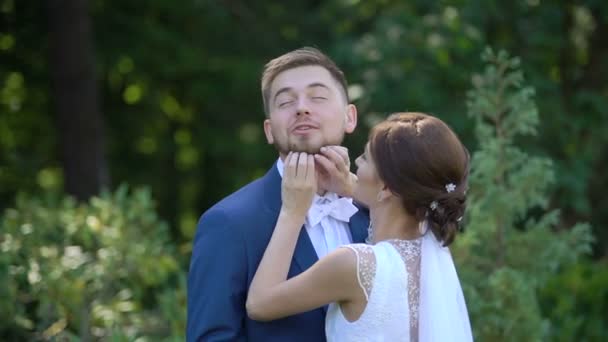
{"x": 369, "y": 184}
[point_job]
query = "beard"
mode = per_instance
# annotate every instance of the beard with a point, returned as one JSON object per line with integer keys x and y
{"x": 310, "y": 145}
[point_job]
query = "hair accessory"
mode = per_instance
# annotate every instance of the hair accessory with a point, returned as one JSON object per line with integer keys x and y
{"x": 450, "y": 187}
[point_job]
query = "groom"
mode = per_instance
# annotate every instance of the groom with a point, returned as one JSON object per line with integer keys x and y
{"x": 307, "y": 108}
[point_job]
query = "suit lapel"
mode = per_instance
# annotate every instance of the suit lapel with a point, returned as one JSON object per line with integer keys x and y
{"x": 272, "y": 190}
{"x": 304, "y": 254}
{"x": 358, "y": 225}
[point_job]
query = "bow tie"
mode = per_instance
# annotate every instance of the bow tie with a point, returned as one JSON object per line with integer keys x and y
{"x": 340, "y": 209}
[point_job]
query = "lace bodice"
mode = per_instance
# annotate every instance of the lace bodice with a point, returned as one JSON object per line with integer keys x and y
{"x": 410, "y": 254}
{"x": 389, "y": 276}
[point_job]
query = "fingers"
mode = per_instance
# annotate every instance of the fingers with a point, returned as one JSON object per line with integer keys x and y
{"x": 286, "y": 165}
{"x": 291, "y": 165}
{"x": 299, "y": 166}
{"x": 299, "y": 183}
{"x": 337, "y": 156}
{"x": 311, "y": 176}
{"x": 302, "y": 164}
{"x": 287, "y": 158}
{"x": 326, "y": 165}
{"x": 343, "y": 152}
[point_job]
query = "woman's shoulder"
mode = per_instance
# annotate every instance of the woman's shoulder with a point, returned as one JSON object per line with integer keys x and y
{"x": 358, "y": 247}
{"x": 346, "y": 260}
{"x": 359, "y": 250}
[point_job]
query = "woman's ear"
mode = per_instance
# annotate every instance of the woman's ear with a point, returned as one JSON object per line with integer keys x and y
{"x": 384, "y": 194}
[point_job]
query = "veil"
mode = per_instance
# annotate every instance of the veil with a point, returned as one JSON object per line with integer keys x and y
{"x": 443, "y": 314}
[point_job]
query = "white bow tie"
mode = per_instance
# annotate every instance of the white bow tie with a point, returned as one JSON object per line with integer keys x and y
{"x": 341, "y": 209}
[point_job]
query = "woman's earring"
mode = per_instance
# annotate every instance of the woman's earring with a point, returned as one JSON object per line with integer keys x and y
{"x": 422, "y": 227}
{"x": 370, "y": 234}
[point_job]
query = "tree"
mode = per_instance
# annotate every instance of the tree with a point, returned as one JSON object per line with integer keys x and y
{"x": 511, "y": 247}
{"x": 74, "y": 88}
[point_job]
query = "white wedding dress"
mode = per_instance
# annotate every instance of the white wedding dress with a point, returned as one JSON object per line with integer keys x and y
{"x": 412, "y": 291}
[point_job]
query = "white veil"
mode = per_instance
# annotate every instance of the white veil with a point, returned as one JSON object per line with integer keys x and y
{"x": 443, "y": 314}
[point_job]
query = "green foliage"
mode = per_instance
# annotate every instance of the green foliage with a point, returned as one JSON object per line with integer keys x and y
{"x": 180, "y": 87}
{"x": 419, "y": 55}
{"x": 511, "y": 248}
{"x": 179, "y": 93}
{"x": 104, "y": 269}
{"x": 576, "y": 301}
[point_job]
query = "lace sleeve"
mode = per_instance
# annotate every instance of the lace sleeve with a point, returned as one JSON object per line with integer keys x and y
{"x": 366, "y": 266}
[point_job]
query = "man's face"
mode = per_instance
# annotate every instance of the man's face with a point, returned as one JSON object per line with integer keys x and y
{"x": 307, "y": 111}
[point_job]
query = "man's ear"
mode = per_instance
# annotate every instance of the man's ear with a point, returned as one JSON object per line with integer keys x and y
{"x": 268, "y": 132}
{"x": 351, "y": 119}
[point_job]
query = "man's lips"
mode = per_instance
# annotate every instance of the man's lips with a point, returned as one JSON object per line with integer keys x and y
{"x": 304, "y": 128}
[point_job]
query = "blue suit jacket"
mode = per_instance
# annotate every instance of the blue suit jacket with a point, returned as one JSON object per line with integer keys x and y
{"x": 230, "y": 240}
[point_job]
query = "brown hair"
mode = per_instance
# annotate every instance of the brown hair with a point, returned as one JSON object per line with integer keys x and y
{"x": 305, "y": 56}
{"x": 418, "y": 156}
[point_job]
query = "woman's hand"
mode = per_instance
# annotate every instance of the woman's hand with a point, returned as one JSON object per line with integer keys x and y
{"x": 271, "y": 295}
{"x": 299, "y": 183}
{"x": 334, "y": 171}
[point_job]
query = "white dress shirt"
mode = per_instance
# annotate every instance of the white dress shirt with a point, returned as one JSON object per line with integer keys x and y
{"x": 329, "y": 233}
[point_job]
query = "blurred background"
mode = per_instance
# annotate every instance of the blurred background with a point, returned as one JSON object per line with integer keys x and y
{"x": 121, "y": 122}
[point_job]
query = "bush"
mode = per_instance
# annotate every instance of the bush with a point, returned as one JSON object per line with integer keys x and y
{"x": 102, "y": 269}
{"x": 576, "y": 301}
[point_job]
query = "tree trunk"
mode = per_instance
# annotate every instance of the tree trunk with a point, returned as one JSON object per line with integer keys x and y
{"x": 80, "y": 130}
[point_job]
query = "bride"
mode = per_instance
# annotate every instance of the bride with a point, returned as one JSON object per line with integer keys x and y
{"x": 403, "y": 286}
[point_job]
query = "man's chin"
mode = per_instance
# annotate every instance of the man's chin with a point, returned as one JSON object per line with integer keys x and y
{"x": 306, "y": 149}
{"x": 309, "y": 150}
{"x": 310, "y": 147}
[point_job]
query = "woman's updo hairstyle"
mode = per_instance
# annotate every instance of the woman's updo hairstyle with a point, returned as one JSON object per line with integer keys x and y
{"x": 421, "y": 160}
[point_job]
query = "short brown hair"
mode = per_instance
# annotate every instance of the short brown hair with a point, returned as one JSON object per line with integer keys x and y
{"x": 297, "y": 58}
{"x": 417, "y": 156}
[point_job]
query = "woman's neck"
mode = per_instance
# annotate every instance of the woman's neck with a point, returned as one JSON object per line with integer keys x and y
{"x": 390, "y": 221}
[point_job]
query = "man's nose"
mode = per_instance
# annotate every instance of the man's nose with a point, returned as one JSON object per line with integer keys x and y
{"x": 303, "y": 107}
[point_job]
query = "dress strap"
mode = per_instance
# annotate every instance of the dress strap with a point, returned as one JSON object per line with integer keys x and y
{"x": 366, "y": 266}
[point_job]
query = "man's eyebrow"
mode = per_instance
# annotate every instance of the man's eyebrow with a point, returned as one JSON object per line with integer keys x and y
{"x": 288, "y": 89}
{"x": 318, "y": 84}
{"x": 280, "y": 91}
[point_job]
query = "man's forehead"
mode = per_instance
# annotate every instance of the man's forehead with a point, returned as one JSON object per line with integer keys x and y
{"x": 303, "y": 77}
